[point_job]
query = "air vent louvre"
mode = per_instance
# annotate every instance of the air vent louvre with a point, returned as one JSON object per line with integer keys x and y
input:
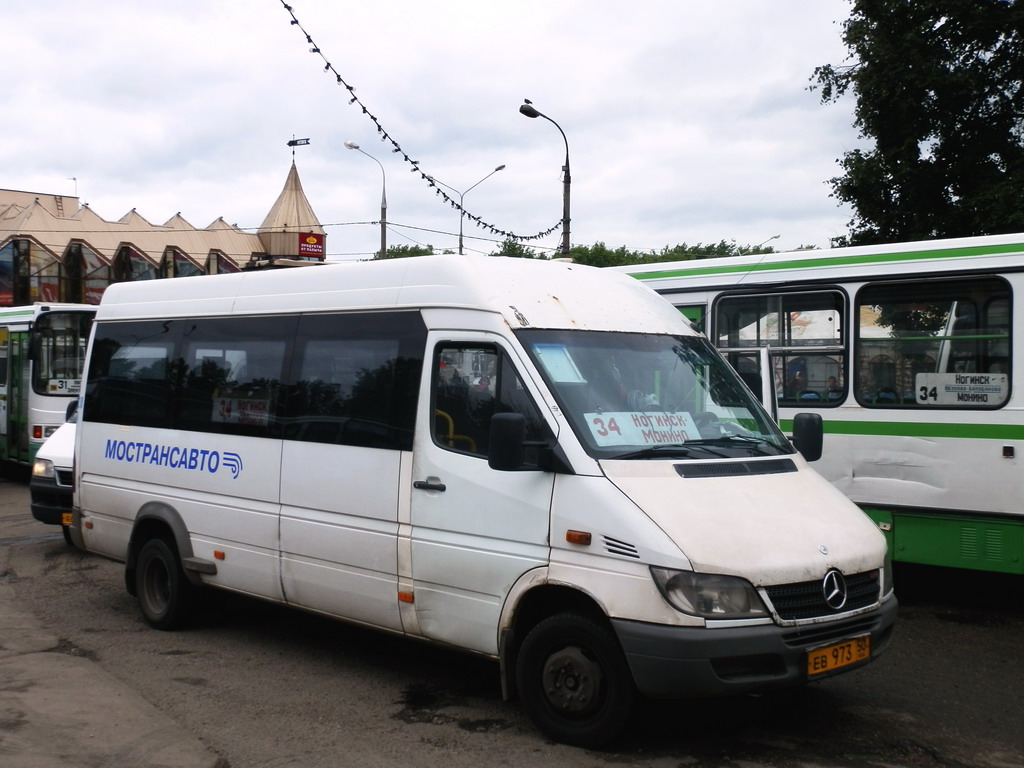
{"x": 735, "y": 468}
{"x": 616, "y": 547}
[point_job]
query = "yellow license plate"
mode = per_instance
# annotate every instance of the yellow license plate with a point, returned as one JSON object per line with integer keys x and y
{"x": 67, "y": 518}
{"x": 839, "y": 655}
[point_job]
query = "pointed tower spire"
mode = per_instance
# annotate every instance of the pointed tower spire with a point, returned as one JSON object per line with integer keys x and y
{"x": 291, "y": 229}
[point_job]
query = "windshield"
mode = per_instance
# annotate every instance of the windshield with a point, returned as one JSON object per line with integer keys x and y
{"x": 637, "y": 396}
{"x": 59, "y": 351}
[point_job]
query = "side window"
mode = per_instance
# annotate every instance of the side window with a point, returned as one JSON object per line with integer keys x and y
{"x": 807, "y": 340}
{"x": 472, "y": 382}
{"x": 695, "y": 313}
{"x": 132, "y": 373}
{"x": 928, "y": 344}
{"x": 232, "y": 369}
{"x": 356, "y": 379}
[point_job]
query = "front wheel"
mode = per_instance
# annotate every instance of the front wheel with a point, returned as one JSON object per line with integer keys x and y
{"x": 574, "y": 681}
{"x": 165, "y": 594}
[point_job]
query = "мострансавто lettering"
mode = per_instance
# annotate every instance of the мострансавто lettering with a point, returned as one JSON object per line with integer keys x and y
{"x": 173, "y": 456}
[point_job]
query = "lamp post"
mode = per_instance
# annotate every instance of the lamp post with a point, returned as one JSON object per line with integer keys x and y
{"x": 383, "y": 199}
{"x": 529, "y": 110}
{"x": 462, "y": 196}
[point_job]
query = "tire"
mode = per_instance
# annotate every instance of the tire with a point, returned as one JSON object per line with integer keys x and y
{"x": 574, "y": 681}
{"x": 165, "y": 594}
{"x": 67, "y": 536}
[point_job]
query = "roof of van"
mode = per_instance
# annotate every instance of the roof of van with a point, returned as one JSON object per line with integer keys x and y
{"x": 528, "y": 293}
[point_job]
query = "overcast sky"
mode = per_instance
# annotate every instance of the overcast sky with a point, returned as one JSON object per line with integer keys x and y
{"x": 687, "y": 121}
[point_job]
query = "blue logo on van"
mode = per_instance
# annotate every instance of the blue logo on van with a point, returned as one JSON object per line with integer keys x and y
{"x": 173, "y": 456}
{"x": 232, "y": 462}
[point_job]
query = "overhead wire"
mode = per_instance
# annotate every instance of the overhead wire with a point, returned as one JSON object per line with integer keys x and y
{"x": 386, "y": 137}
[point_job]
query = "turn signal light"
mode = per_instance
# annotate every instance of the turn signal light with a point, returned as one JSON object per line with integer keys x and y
{"x": 578, "y": 537}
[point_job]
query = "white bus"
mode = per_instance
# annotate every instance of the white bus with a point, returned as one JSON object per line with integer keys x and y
{"x": 535, "y": 461}
{"x": 42, "y": 353}
{"x": 910, "y": 353}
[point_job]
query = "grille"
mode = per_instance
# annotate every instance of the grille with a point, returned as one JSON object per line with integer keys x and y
{"x": 65, "y": 477}
{"x": 811, "y": 635}
{"x": 806, "y": 600}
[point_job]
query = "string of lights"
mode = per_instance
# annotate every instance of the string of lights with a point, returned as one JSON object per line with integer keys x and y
{"x": 386, "y": 137}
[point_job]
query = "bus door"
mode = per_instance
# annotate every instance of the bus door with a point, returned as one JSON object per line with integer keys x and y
{"x": 16, "y": 389}
{"x": 475, "y": 530}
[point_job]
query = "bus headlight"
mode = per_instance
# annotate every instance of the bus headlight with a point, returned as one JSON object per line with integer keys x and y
{"x": 43, "y": 468}
{"x": 709, "y": 595}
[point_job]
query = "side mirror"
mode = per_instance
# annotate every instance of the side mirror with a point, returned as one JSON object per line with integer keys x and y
{"x": 507, "y": 449}
{"x": 808, "y": 435}
{"x": 71, "y": 414}
{"x": 35, "y": 345}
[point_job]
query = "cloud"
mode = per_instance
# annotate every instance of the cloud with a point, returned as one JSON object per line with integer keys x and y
{"x": 686, "y": 122}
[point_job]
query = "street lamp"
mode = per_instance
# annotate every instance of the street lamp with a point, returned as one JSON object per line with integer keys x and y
{"x": 462, "y": 195}
{"x": 383, "y": 199}
{"x": 529, "y": 110}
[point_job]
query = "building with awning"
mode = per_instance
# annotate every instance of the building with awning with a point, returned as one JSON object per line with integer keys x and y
{"x": 55, "y": 249}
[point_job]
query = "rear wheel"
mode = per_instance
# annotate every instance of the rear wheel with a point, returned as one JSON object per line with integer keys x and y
{"x": 165, "y": 594}
{"x": 574, "y": 680}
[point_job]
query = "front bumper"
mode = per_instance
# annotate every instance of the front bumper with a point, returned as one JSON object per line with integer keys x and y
{"x": 683, "y": 662}
{"x": 49, "y": 500}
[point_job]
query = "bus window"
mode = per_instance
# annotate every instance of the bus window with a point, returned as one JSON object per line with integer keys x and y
{"x": 59, "y": 340}
{"x": 231, "y": 375}
{"x": 806, "y": 337}
{"x": 695, "y": 313}
{"x": 130, "y": 378}
{"x": 941, "y": 343}
{"x": 356, "y": 380}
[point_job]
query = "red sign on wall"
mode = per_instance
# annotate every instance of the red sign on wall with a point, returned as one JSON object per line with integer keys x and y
{"x": 311, "y": 245}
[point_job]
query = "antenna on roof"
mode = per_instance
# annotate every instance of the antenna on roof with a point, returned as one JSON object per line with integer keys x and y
{"x": 296, "y": 143}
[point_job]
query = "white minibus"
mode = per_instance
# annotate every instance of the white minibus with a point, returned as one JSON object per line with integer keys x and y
{"x": 536, "y": 461}
{"x": 909, "y": 352}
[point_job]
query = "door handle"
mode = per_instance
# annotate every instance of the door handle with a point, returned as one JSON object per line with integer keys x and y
{"x": 425, "y": 485}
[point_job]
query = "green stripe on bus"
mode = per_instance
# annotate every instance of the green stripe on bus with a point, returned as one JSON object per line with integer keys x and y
{"x": 835, "y": 261}
{"x": 918, "y": 429}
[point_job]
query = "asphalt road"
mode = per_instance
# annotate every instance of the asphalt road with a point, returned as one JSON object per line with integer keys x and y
{"x": 268, "y": 687}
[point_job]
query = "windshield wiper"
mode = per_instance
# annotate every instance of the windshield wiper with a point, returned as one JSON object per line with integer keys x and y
{"x": 673, "y": 449}
{"x": 731, "y": 441}
{"x": 677, "y": 450}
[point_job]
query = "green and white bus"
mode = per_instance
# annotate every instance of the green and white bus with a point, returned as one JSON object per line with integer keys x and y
{"x": 909, "y": 353}
{"x": 42, "y": 351}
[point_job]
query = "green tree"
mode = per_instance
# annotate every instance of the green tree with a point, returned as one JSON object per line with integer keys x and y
{"x": 404, "y": 251}
{"x": 939, "y": 98}
{"x": 515, "y": 249}
{"x": 600, "y": 255}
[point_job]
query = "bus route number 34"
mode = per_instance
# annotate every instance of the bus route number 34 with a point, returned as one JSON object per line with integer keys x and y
{"x": 605, "y": 427}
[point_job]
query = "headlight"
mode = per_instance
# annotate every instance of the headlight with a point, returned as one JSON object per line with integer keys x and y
{"x": 887, "y": 580}
{"x": 708, "y": 594}
{"x": 42, "y": 468}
